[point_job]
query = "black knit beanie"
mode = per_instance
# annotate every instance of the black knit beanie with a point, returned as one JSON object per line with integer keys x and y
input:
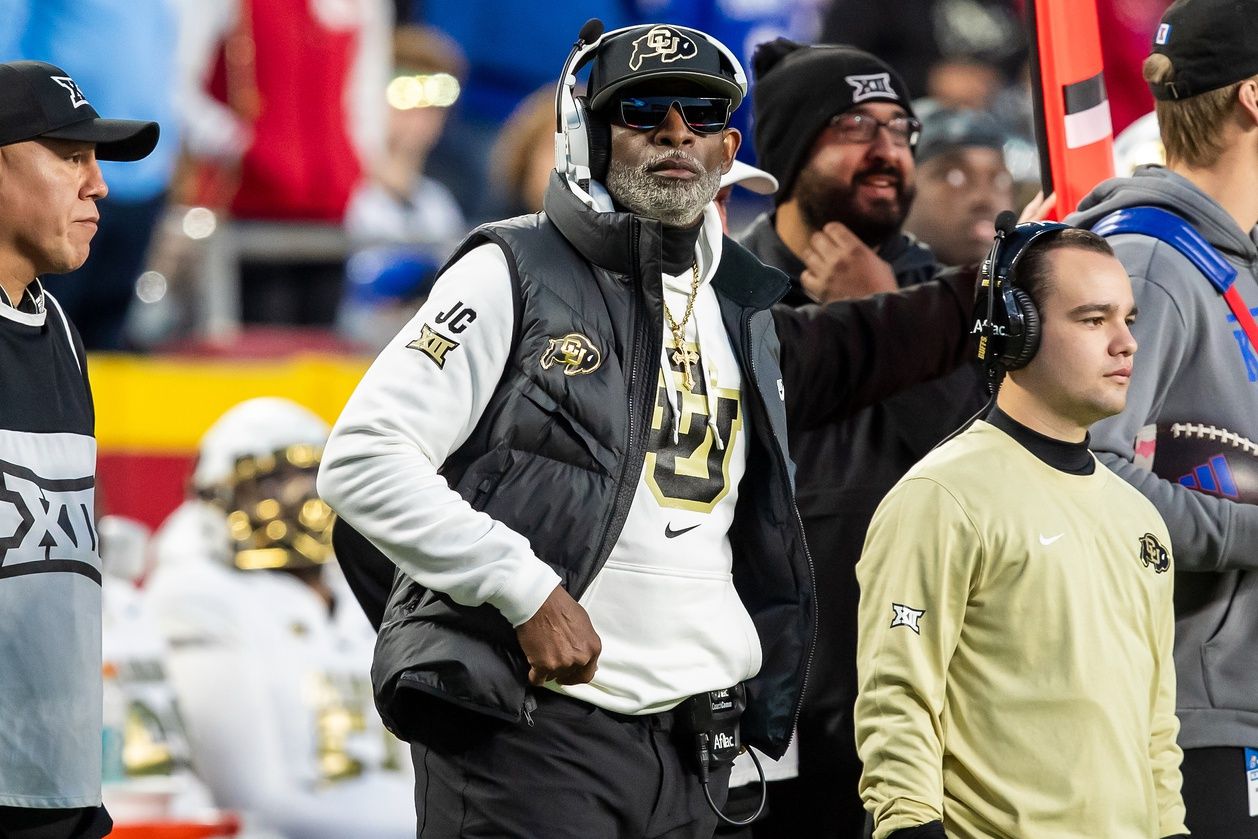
{"x": 799, "y": 87}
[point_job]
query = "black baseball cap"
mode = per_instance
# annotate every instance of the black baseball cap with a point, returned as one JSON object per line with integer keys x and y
{"x": 946, "y": 129}
{"x": 1211, "y": 43}
{"x": 661, "y": 51}
{"x": 41, "y": 100}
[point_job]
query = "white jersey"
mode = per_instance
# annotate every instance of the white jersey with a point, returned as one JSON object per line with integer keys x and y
{"x": 276, "y": 691}
{"x": 147, "y": 765}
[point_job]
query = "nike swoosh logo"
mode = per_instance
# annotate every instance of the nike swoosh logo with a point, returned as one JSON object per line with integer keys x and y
{"x": 1048, "y": 540}
{"x": 669, "y": 533}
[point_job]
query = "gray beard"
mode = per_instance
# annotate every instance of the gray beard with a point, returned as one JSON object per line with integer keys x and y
{"x": 676, "y": 204}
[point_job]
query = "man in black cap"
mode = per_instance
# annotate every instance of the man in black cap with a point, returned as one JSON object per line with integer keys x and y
{"x": 835, "y": 126}
{"x": 1199, "y": 378}
{"x": 962, "y": 184}
{"x": 50, "y": 577}
{"x": 590, "y": 507}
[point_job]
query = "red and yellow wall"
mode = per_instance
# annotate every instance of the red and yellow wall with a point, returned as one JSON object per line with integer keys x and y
{"x": 152, "y": 411}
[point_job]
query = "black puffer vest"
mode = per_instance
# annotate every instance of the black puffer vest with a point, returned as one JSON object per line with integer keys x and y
{"x": 559, "y": 451}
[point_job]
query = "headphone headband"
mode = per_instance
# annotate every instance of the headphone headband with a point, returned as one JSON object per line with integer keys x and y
{"x": 1005, "y": 317}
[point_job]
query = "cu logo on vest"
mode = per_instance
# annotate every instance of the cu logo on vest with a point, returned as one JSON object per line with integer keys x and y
{"x": 575, "y": 352}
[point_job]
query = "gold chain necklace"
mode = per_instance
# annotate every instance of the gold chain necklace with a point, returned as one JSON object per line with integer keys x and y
{"x": 682, "y": 355}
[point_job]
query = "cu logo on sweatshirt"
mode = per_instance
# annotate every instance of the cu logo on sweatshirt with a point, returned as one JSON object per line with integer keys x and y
{"x": 1152, "y": 554}
{"x": 45, "y": 523}
{"x": 688, "y": 457}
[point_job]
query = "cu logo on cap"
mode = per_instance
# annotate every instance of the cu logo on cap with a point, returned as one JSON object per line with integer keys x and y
{"x": 664, "y": 43}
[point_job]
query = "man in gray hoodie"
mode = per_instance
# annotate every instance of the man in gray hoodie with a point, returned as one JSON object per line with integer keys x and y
{"x": 1199, "y": 368}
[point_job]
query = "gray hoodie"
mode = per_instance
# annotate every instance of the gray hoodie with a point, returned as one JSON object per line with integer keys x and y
{"x": 1195, "y": 365}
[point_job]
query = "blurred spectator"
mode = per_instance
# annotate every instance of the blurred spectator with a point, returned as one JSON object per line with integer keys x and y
{"x": 403, "y": 222}
{"x": 524, "y": 153}
{"x": 86, "y": 38}
{"x": 962, "y": 183}
{"x": 384, "y": 286}
{"x": 961, "y": 52}
{"x": 283, "y": 113}
{"x": 400, "y": 203}
{"x": 269, "y": 653}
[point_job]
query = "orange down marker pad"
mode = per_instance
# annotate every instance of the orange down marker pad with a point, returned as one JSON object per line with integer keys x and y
{"x": 1073, "y": 127}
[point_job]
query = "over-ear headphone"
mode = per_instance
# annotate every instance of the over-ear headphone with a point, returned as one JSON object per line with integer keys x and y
{"x": 1005, "y": 317}
{"x": 582, "y": 140}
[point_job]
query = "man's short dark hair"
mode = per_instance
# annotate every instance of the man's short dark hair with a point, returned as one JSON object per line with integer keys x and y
{"x": 1033, "y": 273}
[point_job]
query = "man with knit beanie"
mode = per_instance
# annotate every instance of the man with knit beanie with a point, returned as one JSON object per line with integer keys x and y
{"x": 835, "y": 126}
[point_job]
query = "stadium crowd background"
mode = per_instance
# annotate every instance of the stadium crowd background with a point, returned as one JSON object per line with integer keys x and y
{"x": 320, "y": 160}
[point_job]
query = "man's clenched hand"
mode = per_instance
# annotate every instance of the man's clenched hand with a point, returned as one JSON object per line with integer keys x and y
{"x": 560, "y": 642}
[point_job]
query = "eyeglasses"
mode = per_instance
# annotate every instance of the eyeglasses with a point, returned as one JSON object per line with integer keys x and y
{"x": 703, "y": 114}
{"x": 862, "y": 128}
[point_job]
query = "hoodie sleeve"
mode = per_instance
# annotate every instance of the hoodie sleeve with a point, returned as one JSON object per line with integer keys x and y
{"x": 1207, "y": 533}
{"x": 932, "y": 562}
{"x": 844, "y": 356}
{"x": 419, "y": 401}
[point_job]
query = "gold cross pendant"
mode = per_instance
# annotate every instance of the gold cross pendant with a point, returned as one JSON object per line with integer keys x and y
{"x": 683, "y": 356}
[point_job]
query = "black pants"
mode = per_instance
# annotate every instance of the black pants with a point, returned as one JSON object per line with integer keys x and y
{"x": 578, "y": 772}
{"x": 34, "y": 823}
{"x": 1216, "y": 796}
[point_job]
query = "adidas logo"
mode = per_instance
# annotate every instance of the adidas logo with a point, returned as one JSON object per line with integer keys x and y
{"x": 1213, "y": 478}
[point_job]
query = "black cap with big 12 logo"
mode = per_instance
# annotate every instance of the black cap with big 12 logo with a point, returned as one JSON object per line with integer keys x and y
{"x": 41, "y": 100}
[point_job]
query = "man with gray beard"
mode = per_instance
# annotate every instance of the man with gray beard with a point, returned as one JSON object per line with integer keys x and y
{"x": 571, "y": 470}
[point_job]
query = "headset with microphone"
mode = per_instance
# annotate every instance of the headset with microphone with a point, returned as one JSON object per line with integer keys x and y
{"x": 582, "y": 140}
{"x": 1005, "y": 317}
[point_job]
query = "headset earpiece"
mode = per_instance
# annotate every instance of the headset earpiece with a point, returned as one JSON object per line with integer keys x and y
{"x": 1005, "y": 317}
{"x": 598, "y": 139}
{"x": 1021, "y": 345}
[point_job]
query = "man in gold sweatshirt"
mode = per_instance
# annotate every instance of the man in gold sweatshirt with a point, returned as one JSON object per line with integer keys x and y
{"x": 1016, "y": 624}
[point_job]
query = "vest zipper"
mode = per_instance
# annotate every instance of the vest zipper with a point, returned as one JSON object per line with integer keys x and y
{"x": 646, "y": 345}
{"x": 784, "y": 473}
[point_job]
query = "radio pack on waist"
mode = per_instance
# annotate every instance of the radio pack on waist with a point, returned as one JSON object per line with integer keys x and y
{"x": 709, "y": 723}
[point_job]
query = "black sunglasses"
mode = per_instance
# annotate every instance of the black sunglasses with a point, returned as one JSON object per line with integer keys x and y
{"x": 703, "y": 114}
